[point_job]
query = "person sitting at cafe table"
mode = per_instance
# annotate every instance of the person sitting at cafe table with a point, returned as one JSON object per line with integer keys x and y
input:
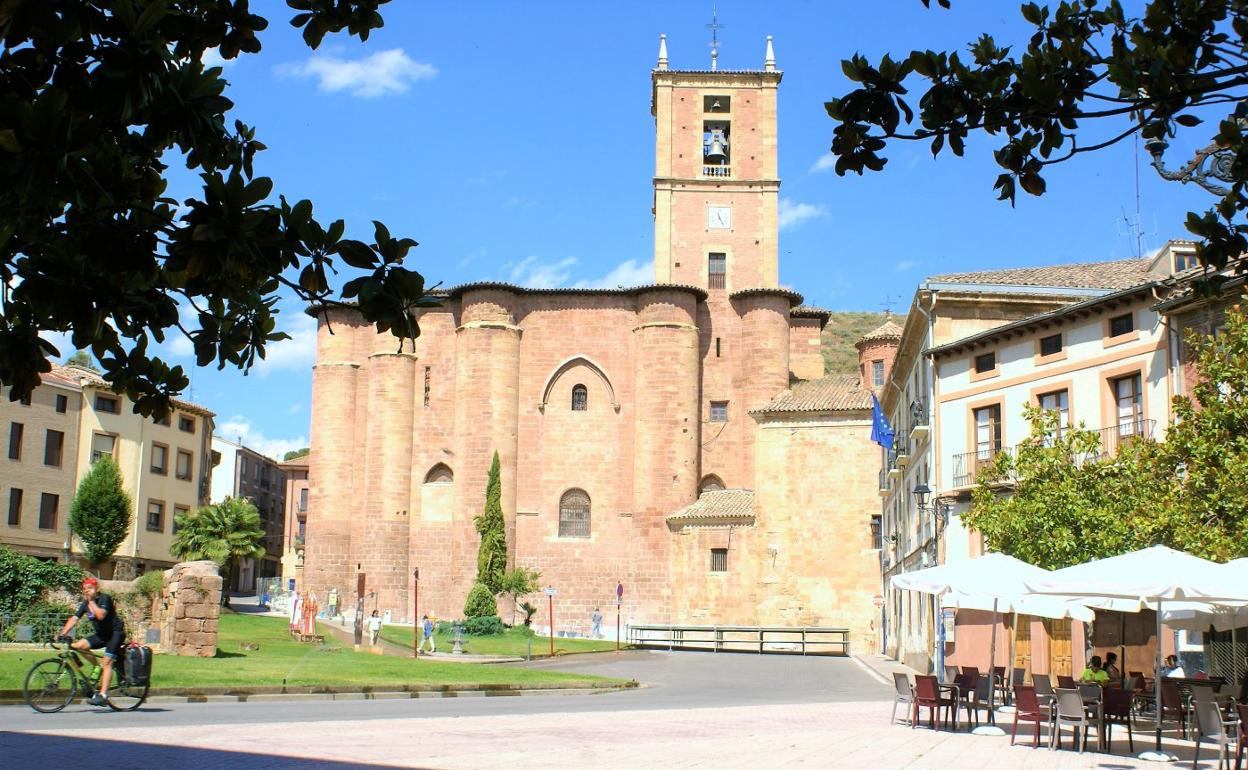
{"x": 1094, "y": 673}
{"x": 1111, "y": 666}
{"x": 1172, "y": 668}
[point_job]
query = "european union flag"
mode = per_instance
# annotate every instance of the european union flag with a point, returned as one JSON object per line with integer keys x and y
{"x": 881, "y": 432}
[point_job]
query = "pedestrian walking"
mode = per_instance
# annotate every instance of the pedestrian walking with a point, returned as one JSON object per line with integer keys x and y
{"x": 374, "y": 628}
{"x": 596, "y": 618}
{"x": 427, "y": 631}
{"x": 333, "y": 603}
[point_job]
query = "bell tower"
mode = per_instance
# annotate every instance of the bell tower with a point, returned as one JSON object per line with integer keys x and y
{"x": 716, "y": 183}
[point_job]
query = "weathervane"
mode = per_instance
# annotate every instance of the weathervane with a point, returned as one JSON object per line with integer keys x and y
{"x": 714, "y": 27}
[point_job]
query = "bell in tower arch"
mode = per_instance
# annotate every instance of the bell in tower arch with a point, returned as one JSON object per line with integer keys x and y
{"x": 715, "y": 145}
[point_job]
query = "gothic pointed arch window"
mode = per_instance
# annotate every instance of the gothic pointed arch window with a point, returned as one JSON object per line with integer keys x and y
{"x": 439, "y": 474}
{"x": 580, "y": 398}
{"x": 574, "y": 514}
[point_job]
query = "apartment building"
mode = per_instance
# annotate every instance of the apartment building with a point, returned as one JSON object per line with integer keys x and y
{"x": 165, "y": 467}
{"x": 296, "y": 474}
{"x": 242, "y": 472}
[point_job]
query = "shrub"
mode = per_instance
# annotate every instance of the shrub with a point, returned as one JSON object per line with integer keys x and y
{"x": 480, "y": 602}
{"x": 490, "y": 625}
{"x": 24, "y": 579}
{"x": 149, "y": 584}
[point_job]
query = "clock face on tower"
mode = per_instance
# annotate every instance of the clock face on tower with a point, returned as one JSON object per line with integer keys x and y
{"x": 718, "y": 217}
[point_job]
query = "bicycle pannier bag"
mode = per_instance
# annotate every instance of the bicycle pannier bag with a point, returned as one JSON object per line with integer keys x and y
{"x": 138, "y": 664}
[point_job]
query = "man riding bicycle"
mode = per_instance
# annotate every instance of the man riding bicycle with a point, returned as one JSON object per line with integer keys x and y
{"x": 110, "y": 633}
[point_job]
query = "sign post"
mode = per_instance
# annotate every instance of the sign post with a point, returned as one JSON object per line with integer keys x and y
{"x": 550, "y": 609}
{"x": 359, "y": 607}
{"x": 416, "y": 613}
{"x": 619, "y": 599}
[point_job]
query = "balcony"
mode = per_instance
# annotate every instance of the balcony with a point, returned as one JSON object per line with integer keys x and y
{"x": 894, "y": 471}
{"x": 1110, "y": 441}
{"x": 967, "y": 465}
{"x": 716, "y": 171}
{"x": 885, "y": 486}
{"x": 920, "y": 421}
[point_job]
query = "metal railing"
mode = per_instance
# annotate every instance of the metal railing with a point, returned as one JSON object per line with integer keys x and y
{"x": 36, "y": 628}
{"x": 918, "y": 413}
{"x": 1110, "y": 441}
{"x": 802, "y": 640}
{"x": 716, "y": 171}
{"x": 966, "y": 466}
{"x": 884, "y": 479}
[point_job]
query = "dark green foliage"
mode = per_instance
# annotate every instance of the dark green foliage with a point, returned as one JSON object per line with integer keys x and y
{"x": 486, "y": 625}
{"x": 1089, "y": 77}
{"x": 24, "y": 579}
{"x": 518, "y": 582}
{"x": 149, "y": 584}
{"x": 100, "y": 514}
{"x": 480, "y": 602}
{"x": 223, "y": 532}
{"x": 294, "y": 454}
{"x": 96, "y": 97}
{"x": 529, "y": 611}
{"x": 492, "y": 554}
{"x": 82, "y": 359}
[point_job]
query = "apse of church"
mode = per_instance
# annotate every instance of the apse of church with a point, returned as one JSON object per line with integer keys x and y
{"x": 678, "y": 438}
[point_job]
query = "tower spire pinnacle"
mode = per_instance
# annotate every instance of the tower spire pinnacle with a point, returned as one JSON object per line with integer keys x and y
{"x": 662, "y": 52}
{"x": 714, "y": 27}
{"x": 769, "y": 59}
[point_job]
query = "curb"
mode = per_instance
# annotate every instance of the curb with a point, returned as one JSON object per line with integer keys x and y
{"x": 312, "y": 692}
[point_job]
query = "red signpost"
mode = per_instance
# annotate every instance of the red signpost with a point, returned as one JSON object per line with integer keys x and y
{"x": 619, "y": 599}
{"x": 416, "y": 613}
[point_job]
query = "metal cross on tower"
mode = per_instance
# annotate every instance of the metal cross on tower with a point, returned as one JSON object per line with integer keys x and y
{"x": 714, "y": 27}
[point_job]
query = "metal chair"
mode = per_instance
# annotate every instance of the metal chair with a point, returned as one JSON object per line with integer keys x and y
{"x": 905, "y": 694}
{"x": 1172, "y": 703}
{"x": 966, "y": 685}
{"x": 1027, "y": 708}
{"x": 1070, "y": 711}
{"x": 1117, "y": 711}
{"x": 1065, "y": 682}
{"x": 1242, "y": 710}
{"x": 1211, "y": 727}
{"x": 1044, "y": 687}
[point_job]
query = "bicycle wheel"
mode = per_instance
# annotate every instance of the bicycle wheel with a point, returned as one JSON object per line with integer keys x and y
{"x": 50, "y": 686}
{"x": 126, "y": 696}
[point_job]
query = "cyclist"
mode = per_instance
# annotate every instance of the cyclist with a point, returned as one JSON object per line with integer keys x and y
{"x": 110, "y": 633}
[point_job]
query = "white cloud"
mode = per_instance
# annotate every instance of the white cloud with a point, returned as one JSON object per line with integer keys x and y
{"x": 213, "y": 58}
{"x": 826, "y": 162}
{"x": 793, "y": 214}
{"x": 628, "y": 273}
{"x": 380, "y": 73}
{"x": 241, "y": 430}
{"x": 297, "y": 353}
{"x": 905, "y": 264}
{"x": 534, "y": 274}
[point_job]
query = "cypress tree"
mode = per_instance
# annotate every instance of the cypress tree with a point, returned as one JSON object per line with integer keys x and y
{"x": 492, "y": 555}
{"x": 100, "y": 513}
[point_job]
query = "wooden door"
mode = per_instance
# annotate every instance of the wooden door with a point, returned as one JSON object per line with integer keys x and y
{"x": 1060, "y": 647}
{"x": 1022, "y": 647}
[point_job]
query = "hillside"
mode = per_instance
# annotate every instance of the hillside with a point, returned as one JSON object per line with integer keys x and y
{"x": 843, "y": 330}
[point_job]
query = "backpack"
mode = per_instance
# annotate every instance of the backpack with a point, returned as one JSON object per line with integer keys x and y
{"x": 138, "y": 663}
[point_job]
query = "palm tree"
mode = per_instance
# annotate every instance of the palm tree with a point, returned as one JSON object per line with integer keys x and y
{"x": 221, "y": 532}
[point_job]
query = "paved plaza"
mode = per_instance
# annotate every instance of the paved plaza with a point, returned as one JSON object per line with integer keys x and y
{"x": 698, "y": 711}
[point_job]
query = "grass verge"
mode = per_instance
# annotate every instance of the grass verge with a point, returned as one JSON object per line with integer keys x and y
{"x": 281, "y": 661}
{"x": 512, "y": 643}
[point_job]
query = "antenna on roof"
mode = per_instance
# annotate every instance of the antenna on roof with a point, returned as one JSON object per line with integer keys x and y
{"x": 887, "y": 304}
{"x": 714, "y": 27}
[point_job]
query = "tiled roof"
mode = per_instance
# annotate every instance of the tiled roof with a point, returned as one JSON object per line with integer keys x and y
{"x": 458, "y": 291}
{"x": 888, "y": 330}
{"x": 302, "y": 461}
{"x": 834, "y": 393}
{"x": 1120, "y": 274}
{"x": 86, "y": 378}
{"x": 807, "y": 311}
{"x": 733, "y": 506}
{"x": 779, "y": 291}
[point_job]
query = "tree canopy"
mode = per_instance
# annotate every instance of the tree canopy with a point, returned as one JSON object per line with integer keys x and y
{"x": 1061, "y": 499}
{"x": 492, "y": 552}
{"x": 1089, "y": 76}
{"x": 96, "y": 97}
{"x": 223, "y": 532}
{"x": 100, "y": 514}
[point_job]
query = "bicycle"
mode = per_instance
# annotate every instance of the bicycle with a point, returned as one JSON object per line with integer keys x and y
{"x": 52, "y": 683}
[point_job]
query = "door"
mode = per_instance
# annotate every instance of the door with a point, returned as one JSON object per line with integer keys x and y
{"x": 1060, "y": 647}
{"x": 1022, "y": 646}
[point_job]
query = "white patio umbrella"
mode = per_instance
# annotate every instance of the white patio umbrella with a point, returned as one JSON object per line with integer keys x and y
{"x": 1153, "y": 576}
{"x": 1189, "y": 616}
{"x": 994, "y": 582}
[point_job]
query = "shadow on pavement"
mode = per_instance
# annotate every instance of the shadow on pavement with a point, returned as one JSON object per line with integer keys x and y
{"x": 47, "y": 750}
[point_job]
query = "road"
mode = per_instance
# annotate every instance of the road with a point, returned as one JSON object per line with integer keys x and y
{"x": 697, "y": 710}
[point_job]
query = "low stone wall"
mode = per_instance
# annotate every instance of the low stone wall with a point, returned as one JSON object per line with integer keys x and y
{"x": 188, "y": 608}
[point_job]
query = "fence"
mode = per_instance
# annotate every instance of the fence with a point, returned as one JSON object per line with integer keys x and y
{"x": 809, "y": 640}
{"x": 279, "y": 597}
{"x": 17, "y": 628}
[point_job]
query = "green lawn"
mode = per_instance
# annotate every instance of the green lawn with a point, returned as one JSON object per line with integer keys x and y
{"x": 514, "y": 642}
{"x": 279, "y": 660}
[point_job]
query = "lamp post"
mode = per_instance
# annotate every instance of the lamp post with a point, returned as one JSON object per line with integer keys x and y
{"x": 359, "y": 606}
{"x": 939, "y": 510}
{"x": 416, "y": 613}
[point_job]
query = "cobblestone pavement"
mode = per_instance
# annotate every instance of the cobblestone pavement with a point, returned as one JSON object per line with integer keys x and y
{"x": 828, "y": 735}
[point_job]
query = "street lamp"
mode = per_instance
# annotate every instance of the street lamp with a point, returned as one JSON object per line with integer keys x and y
{"x": 939, "y": 511}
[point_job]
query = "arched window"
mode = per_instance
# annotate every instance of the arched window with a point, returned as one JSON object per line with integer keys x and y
{"x": 439, "y": 474}
{"x": 574, "y": 514}
{"x": 710, "y": 483}
{"x": 580, "y": 397}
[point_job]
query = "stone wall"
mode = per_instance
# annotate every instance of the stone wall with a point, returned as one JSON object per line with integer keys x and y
{"x": 188, "y": 608}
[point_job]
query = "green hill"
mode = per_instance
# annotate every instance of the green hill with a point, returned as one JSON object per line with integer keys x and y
{"x": 843, "y": 330}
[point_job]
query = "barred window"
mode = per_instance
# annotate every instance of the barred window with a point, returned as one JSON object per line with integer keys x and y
{"x": 574, "y": 514}
{"x": 719, "y": 560}
{"x": 580, "y": 398}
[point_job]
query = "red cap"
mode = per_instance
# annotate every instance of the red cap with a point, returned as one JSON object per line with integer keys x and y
{"x": 90, "y": 581}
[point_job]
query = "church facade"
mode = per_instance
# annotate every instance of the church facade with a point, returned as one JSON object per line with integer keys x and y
{"x": 679, "y": 439}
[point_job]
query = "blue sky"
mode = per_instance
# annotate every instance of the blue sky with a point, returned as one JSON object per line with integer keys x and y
{"x": 514, "y": 142}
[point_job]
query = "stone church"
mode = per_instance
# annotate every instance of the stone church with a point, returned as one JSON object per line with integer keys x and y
{"x": 679, "y": 439}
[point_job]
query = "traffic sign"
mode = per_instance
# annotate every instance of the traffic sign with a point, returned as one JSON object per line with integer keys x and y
{"x": 879, "y": 600}
{"x": 550, "y": 592}
{"x": 619, "y": 590}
